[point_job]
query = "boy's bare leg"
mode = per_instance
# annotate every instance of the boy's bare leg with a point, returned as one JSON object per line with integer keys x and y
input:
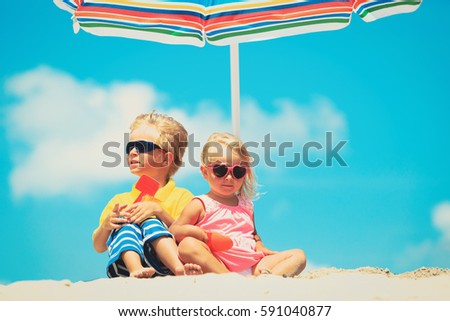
{"x": 286, "y": 263}
{"x": 133, "y": 263}
{"x": 195, "y": 251}
{"x": 167, "y": 251}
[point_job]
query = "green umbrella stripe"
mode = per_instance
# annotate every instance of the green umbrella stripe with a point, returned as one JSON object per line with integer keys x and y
{"x": 150, "y": 30}
{"x": 343, "y": 21}
{"x": 386, "y": 6}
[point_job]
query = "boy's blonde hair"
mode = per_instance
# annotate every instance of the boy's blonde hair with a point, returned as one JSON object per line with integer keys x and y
{"x": 173, "y": 136}
{"x": 234, "y": 146}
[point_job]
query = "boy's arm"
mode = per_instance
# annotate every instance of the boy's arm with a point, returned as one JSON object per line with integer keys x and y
{"x": 185, "y": 225}
{"x": 100, "y": 237}
{"x": 141, "y": 211}
{"x": 112, "y": 221}
{"x": 165, "y": 217}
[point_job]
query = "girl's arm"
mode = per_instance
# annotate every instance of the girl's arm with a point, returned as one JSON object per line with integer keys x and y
{"x": 185, "y": 225}
{"x": 260, "y": 247}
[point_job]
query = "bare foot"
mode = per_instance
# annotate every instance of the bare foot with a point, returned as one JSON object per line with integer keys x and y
{"x": 192, "y": 269}
{"x": 265, "y": 271}
{"x": 179, "y": 270}
{"x": 188, "y": 269}
{"x": 143, "y": 273}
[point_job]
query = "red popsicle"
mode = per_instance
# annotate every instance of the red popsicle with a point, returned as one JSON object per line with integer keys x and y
{"x": 218, "y": 242}
{"x": 147, "y": 186}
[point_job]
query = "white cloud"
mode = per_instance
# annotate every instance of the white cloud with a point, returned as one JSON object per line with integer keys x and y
{"x": 63, "y": 124}
{"x": 441, "y": 220}
{"x": 59, "y": 125}
{"x": 292, "y": 122}
{"x": 292, "y": 128}
{"x": 434, "y": 253}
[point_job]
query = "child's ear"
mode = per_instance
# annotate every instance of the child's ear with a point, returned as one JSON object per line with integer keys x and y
{"x": 203, "y": 170}
{"x": 168, "y": 158}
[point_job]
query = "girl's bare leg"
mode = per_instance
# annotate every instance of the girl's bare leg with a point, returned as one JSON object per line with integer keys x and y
{"x": 286, "y": 263}
{"x": 195, "y": 251}
{"x": 133, "y": 263}
{"x": 167, "y": 251}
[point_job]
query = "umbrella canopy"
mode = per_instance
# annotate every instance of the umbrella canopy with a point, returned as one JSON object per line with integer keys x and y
{"x": 223, "y": 22}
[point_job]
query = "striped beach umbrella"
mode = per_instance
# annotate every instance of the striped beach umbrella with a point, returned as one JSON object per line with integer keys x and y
{"x": 223, "y": 22}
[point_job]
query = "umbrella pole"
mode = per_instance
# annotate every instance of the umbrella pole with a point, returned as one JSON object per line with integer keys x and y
{"x": 235, "y": 94}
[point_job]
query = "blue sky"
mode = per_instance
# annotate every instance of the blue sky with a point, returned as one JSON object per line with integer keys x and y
{"x": 383, "y": 87}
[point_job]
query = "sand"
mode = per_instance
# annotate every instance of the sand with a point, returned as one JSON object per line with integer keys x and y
{"x": 331, "y": 284}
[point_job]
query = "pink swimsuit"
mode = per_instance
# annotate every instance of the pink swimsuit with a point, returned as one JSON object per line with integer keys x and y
{"x": 237, "y": 223}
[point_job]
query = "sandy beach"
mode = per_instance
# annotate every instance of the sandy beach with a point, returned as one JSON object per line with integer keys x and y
{"x": 363, "y": 284}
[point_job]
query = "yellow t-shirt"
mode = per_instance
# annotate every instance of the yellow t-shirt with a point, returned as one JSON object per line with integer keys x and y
{"x": 172, "y": 199}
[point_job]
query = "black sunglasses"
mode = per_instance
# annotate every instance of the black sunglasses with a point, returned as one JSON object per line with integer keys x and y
{"x": 222, "y": 170}
{"x": 142, "y": 146}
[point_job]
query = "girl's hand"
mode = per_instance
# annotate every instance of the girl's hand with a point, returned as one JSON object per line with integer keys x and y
{"x": 116, "y": 218}
{"x": 140, "y": 211}
{"x": 218, "y": 242}
{"x": 261, "y": 248}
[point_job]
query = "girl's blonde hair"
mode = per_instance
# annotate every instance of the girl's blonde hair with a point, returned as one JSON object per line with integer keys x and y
{"x": 234, "y": 146}
{"x": 172, "y": 137}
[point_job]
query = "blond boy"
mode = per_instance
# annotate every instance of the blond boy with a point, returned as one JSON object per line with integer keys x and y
{"x": 135, "y": 234}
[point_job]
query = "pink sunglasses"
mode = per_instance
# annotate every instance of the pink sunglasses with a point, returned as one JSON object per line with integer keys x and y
{"x": 222, "y": 170}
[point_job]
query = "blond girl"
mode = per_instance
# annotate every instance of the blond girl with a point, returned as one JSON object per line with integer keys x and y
{"x": 228, "y": 209}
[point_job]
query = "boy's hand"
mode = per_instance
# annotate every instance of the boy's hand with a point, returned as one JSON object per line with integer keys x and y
{"x": 116, "y": 218}
{"x": 140, "y": 211}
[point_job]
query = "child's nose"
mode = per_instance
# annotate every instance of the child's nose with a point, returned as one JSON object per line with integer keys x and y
{"x": 134, "y": 151}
